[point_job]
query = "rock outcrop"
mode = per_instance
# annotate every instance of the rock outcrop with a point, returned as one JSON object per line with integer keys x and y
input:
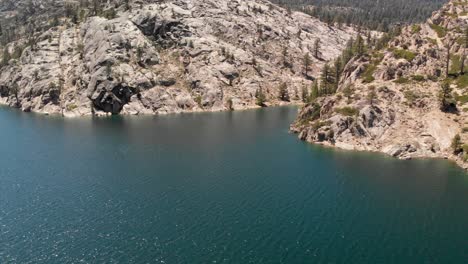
{"x": 156, "y": 57}
{"x": 389, "y": 100}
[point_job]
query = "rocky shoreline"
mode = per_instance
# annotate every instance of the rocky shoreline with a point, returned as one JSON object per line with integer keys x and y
{"x": 392, "y": 153}
{"x": 406, "y": 99}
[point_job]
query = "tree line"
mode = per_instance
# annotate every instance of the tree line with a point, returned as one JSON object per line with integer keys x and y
{"x": 376, "y": 15}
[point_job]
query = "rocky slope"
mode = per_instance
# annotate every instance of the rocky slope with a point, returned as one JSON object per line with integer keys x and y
{"x": 389, "y": 100}
{"x": 151, "y": 57}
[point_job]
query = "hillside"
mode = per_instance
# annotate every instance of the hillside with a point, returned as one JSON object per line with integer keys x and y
{"x": 401, "y": 99}
{"x": 141, "y": 57}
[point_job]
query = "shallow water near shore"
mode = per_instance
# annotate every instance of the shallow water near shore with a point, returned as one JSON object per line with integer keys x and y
{"x": 216, "y": 188}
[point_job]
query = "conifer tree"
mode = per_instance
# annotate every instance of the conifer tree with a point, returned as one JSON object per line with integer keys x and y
{"x": 306, "y": 64}
{"x": 305, "y": 94}
{"x": 260, "y": 96}
{"x": 283, "y": 92}
{"x": 317, "y": 48}
{"x": 445, "y": 97}
{"x": 315, "y": 91}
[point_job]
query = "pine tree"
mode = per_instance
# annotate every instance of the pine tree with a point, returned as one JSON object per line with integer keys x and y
{"x": 305, "y": 94}
{"x": 348, "y": 92}
{"x": 127, "y": 4}
{"x": 261, "y": 98}
{"x": 445, "y": 97}
{"x": 466, "y": 38}
{"x": 317, "y": 48}
{"x": 338, "y": 69}
{"x": 285, "y": 57}
{"x": 283, "y": 93}
{"x": 372, "y": 95}
{"x": 456, "y": 144}
{"x": 359, "y": 45}
{"x": 315, "y": 91}
{"x": 325, "y": 79}
{"x": 462, "y": 63}
{"x": 306, "y": 64}
{"x": 448, "y": 46}
{"x": 14, "y": 90}
{"x": 108, "y": 69}
{"x": 6, "y": 56}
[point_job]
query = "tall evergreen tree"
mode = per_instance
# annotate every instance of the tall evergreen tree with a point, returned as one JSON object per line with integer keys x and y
{"x": 317, "y": 48}
{"x": 315, "y": 91}
{"x": 305, "y": 94}
{"x": 306, "y": 64}
{"x": 283, "y": 92}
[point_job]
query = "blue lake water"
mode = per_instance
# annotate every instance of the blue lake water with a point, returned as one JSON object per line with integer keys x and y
{"x": 216, "y": 188}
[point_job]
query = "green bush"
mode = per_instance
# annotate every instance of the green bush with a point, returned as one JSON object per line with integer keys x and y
{"x": 368, "y": 73}
{"x": 71, "y": 107}
{"x": 463, "y": 99}
{"x": 402, "y": 80}
{"x": 198, "y": 100}
{"x": 404, "y": 54}
{"x": 432, "y": 41}
{"x": 319, "y": 124}
{"x": 418, "y": 78}
{"x": 347, "y": 111}
{"x": 455, "y": 64}
{"x": 312, "y": 113}
{"x": 410, "y": 96}
{"x": 367, "y": 76}
{"x": 441, "y": 31}
{"x": 415, "y": 29}
{"x": 456, "y": 145}
{"x": 462, "y": 81}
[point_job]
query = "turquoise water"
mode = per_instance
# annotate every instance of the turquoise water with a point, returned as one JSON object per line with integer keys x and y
{"x": 216, "y": 188}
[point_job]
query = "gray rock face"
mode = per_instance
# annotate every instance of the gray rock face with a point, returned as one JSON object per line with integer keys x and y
{"x": 167, "y": 57}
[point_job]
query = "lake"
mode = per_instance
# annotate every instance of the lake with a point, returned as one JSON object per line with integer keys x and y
{"x": 216, "y": 188}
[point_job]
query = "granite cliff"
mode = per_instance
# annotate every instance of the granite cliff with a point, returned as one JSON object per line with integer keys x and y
{"x": 151, "y": 57}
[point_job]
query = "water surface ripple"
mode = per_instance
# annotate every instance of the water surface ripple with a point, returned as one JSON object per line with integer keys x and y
{"x": 216, "y": 188}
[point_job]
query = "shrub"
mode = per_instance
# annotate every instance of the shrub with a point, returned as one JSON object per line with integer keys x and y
{"x": 418, "y": 78}
{"x": 319, "y": 124}
{"x": 410, "y": 96}
{"x": 402, "y": 80}
{"x": 415, "y": 29}
{"x": 455, "y": 64}
{"x": 441, "y": 31}
{"x": 71, "y": 107}
{"x": 462, "y": 81}
{"x": 404, "y": 54}
{"x": 463, "y": 99}
{"x": 283, "y": 92}
{"x": 456, "y": 144}
{"x": 230, "y": 104}
{"x": 110, "y": 13}
{"x": 198, "y": 100}
{"x": 368, "y": 74}
{"x": 432, "y": 41}
{"x": 446, "y": 100}
{"x": 313, "y": 113}
{"x": 347, "y": 111}
{"x": 261, "y": 97}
